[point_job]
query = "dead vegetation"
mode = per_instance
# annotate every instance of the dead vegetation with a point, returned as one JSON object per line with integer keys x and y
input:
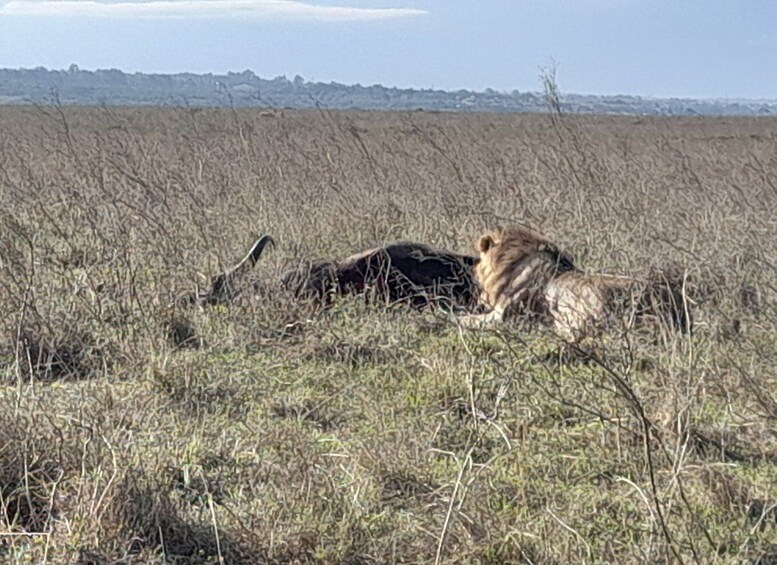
{"x": 138, "y": 429}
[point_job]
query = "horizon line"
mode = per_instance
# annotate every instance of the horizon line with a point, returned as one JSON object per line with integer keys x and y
{"x": 503, "y": 92}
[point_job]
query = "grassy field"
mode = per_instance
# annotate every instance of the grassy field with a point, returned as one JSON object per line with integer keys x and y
{"x": 361, "y": 435}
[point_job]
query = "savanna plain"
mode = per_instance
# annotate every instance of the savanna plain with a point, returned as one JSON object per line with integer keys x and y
{"x": 136, "y": 430}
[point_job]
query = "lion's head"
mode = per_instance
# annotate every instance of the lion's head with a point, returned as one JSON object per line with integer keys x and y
{"x": 514, "y": 265}
{"x": 503, "y": 245}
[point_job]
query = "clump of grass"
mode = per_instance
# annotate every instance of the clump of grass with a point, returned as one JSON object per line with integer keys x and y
{"x": 182, "y": 334}
{"x": 69, "y": 355}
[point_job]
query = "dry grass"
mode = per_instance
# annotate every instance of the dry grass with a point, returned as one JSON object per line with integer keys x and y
{"x": 263, "y": 432}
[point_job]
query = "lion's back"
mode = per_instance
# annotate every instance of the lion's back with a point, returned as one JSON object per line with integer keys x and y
{"x": 577, "y": 303}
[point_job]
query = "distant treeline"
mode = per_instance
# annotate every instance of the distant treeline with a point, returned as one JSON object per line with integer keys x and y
{"x": 245, "y": 89}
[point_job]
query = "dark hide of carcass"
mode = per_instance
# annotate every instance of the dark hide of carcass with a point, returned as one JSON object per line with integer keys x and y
{"x": 405, "y": 272}
{"x": 397, "y": 273}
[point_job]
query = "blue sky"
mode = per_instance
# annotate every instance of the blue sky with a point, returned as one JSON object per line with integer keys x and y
{"x": 695, "y": 48}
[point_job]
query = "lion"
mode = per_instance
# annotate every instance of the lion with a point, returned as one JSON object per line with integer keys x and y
{"x": 520, "y": 272}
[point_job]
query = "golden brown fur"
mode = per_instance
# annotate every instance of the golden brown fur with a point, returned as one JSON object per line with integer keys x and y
{"x": 515, "y": 266}
{"x": 521, "y": 272}
{"x": 581, "y": 304}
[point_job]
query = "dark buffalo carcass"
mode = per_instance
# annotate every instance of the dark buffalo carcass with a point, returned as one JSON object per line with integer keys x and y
{"x": 398, "y": 273}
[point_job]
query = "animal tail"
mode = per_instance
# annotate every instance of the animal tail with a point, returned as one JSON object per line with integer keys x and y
{"x": 252, "y": 258}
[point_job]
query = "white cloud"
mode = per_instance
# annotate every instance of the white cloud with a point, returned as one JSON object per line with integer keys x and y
{"x": 256, "y": 9}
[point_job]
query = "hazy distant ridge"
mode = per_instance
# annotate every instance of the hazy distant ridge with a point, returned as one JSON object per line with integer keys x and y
{"x": 245, "y": 89}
